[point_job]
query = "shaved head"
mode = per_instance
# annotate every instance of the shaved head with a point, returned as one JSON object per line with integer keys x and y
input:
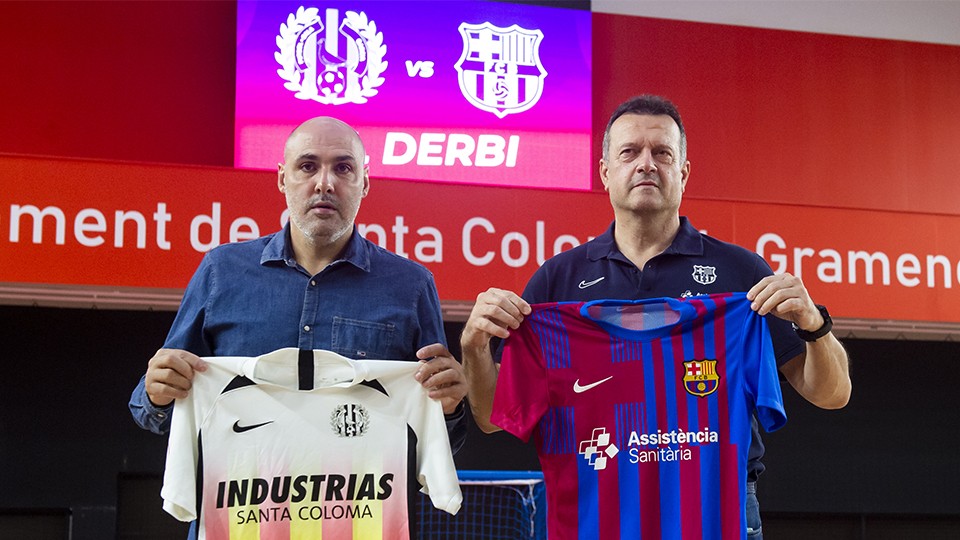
{"x": 318, "y": 127}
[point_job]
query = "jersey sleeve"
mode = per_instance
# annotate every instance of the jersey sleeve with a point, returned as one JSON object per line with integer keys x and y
{"x": 786, "y": 344}
{"x": 521, "y": 396}
{"x": 179, "y": 491}
{"x": 762, "y": 377}
{"x": 436, "y": 471}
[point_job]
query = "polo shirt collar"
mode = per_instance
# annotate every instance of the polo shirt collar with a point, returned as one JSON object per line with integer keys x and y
{"x": 687, "y": 242}
{"x": 280, "y": 249}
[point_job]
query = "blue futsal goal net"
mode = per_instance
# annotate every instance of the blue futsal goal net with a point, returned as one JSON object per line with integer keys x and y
{"x": 502, "y": 505}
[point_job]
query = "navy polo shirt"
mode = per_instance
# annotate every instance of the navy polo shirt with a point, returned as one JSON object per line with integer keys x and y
{"x": 693, "y": 264}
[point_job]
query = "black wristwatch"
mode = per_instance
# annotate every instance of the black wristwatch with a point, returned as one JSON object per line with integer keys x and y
{"x": 819, "y": 332}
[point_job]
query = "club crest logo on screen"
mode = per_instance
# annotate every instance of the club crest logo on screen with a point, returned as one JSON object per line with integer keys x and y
{"x": 350, "y": 420}
{"x": 329, "y": 58}
{"x": 500, "y": 69}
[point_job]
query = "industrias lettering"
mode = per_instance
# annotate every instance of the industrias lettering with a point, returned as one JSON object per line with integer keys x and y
{"x": 312, "y": 488}
{"x": 329, "y": 59}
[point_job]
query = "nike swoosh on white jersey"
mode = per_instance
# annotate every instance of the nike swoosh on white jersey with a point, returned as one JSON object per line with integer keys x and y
{"x": 237, "y": 428}
{"x": 580, "y": 389}
{"x": 585, "y": 284}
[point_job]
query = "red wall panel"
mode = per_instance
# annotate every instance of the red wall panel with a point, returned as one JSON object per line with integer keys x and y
{"x": 794, "y": 117}
{"x": 138, "y": 81}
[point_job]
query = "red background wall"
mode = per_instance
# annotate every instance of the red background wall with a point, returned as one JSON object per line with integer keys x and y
{"x": 795, "y": 117}
{"x": 134, "y": 81}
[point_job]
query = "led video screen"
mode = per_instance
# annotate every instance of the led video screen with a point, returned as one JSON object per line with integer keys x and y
{"x": 466, "y": 92}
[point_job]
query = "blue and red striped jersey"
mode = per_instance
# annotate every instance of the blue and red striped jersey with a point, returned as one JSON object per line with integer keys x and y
{"x": 640, "y": 411}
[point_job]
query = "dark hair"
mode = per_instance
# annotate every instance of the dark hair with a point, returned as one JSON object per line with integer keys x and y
{"x": 647, "y": 104}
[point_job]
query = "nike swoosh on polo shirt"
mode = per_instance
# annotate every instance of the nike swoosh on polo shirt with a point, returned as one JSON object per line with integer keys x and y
{"x": 584, "y": 284}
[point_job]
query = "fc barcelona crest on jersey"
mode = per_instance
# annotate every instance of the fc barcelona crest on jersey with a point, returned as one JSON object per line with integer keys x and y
{"x": 700, "y": 377}
{"x": 704, "y": 275}
{"x": 500, "y": 69}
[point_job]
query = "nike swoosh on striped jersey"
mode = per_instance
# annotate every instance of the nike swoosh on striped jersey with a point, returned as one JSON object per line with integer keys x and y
{"x": 584, "y": 284}
{"x": 580, "y": 389}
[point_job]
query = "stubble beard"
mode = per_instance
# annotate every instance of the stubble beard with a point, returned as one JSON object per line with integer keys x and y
{"x": 321, "y": 231}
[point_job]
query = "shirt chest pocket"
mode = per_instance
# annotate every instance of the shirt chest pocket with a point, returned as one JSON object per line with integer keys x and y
{"x": 358, "y": 339}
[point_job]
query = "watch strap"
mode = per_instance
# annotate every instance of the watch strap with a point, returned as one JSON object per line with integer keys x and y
{"x": 820, "y": 332}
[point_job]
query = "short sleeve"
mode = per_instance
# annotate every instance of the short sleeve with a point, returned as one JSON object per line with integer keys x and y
{"x": 521, "y": 396}
{"x": 436, "y": 470}
{"x": 763, "y": 379}
{"x": 180, "y": 475}
{"x": 179, "y": 490}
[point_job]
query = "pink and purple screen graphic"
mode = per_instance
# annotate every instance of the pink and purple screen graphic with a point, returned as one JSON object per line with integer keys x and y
{"x": 465, "y": 92}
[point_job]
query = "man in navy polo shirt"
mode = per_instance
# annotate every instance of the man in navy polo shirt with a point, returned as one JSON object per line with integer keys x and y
{"x": 651, "y": 251}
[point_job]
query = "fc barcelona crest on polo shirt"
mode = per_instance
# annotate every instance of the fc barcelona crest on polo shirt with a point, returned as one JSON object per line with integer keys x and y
{"x": 700, "y": 377}
{"x": 704, "y": 275}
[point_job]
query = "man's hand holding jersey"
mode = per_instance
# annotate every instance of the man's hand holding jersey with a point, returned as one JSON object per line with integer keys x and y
{"x": 170, "y": 375}
{"x": 495, "y": 313}
{"x": 821, "y": 374}
{"x": 442, "y": 376}
{"x": 786, "y": 297}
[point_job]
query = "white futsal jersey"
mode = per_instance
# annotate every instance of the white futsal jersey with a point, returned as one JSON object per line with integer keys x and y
{"x": 306, "y": 444}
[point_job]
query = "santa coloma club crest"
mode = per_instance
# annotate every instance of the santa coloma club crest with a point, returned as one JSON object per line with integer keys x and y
{"x": 350, "y": 420}
{"x": 329, "y": 58}
{"x": 335, "y": 57}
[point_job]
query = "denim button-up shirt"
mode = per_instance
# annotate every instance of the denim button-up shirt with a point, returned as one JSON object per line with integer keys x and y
{"x": 250, "y": 298}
